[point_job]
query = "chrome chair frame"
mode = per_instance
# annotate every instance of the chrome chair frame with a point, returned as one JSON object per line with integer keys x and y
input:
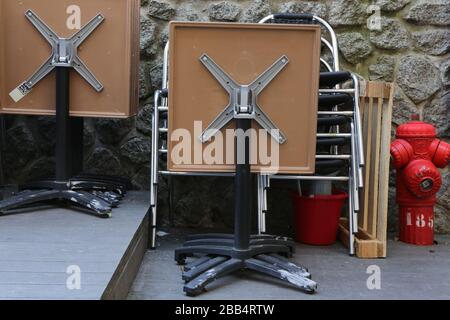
{"x": 356, "y": 158}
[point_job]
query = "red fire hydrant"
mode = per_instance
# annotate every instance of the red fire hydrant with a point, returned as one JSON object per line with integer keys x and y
{"x": 417, "y": 154}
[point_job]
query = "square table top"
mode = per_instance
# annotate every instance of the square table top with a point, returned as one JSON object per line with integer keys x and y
{"x": 111, "y": 53}
{"x": 244, "y": 51}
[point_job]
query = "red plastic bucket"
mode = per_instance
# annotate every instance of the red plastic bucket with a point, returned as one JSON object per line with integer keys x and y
{"x": 317, "y": 217}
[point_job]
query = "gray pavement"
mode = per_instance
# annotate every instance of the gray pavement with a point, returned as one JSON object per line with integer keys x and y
{"x": 409, "y": 272}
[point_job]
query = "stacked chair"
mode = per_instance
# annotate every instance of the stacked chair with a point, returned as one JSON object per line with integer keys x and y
{"x": 332, "y": 99}
{"x": 338, "y": 110}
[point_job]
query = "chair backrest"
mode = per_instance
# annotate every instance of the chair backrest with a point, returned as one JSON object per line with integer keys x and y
{"x": 329, "y": 39}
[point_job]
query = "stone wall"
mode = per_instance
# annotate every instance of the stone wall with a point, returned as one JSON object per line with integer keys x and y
{"x": 412, "y": 48}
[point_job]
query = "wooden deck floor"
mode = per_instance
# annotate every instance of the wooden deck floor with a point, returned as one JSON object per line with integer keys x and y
{"x": 38, "y": 248}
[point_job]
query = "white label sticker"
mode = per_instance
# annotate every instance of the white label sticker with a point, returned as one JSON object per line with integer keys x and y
{"x": 18, "y": 93}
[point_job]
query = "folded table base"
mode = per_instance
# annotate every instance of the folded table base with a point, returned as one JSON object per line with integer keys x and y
{"x": 266, "y": 255}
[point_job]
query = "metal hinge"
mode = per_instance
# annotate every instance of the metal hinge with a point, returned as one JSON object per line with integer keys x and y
{"x": 64, "y": 54}
{"x": 243, "y": 99}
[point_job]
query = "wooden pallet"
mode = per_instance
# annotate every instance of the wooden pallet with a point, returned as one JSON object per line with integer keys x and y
{"x": 376, "y": 115}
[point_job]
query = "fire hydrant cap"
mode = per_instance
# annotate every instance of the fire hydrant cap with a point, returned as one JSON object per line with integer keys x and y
{"x": 422, "y": 178}
{"x": 416, "y": 129}
{"x": 440, "y": 153}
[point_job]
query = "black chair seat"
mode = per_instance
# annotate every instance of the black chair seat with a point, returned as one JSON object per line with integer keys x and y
{"x": 332, "y": 79}
{"x": 326, "y": 167}
{"x": 331, "y": 100}
{"x": 325, "y": 142}
{"x": 337, "y": 164}
{"x": 332, "y": 121}
{"x": 293, "y": 18}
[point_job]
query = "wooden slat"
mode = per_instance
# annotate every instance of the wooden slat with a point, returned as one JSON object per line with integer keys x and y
{"x": 368, "y": 122}
{"x": 383, "y": 188}
{"x": 362, "y": 107}
{"x": 376, "y": 115}
{"x": 364, "y": 115}
{"x": 374, "y": 169}
{"x": 377, "y": 90}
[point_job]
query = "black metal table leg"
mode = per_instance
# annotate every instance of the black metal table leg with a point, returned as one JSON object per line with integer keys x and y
{"x": 225, "y": 236}
{"x": 196, "y": 263}
{"x": 126, "y": 183}
{"x": 63, "y": 170}
{"x": 89, "y": 201}
{"x": 97, "y": 185}
{"x": 229, "y": 242}
{"x": 223, "y": 254}
{"x": 194, "y": 272}
{"x": 197, "y": 285}
{"x": 112, "y": 198}
{"x": 182, "y": 253}
{"x": 285, "y": 264}
{"x": 26, "y": 198}
{"x": 294, "y": 279}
